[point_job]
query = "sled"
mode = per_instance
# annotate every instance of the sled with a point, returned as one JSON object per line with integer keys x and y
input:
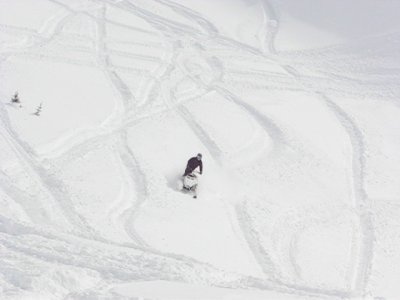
{"x": 189, "y": 183}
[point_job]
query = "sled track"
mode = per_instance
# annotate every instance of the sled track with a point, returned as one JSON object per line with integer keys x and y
{"x": 270, "y": 28}
{"x": 208, "y": 28}
{"x": 253, "y": 240}
{"x": 364, "y": 257}
{"x": 105, "y": 63}
{"x": 138, "y": 177}
{"x": 126, "y": 155}
{"x": 48, "y": 182}
{"x": 362, "y": 203}
{"x": 203, "y": 136}
{"x": 269, "y": 126}
{"x": 159, "y": 23}
{"x": 23, "y": 199}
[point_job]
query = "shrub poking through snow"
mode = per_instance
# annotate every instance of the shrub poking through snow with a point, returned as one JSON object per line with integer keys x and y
{"x": 15, "y": 98}
{"x": 38, "y": 110}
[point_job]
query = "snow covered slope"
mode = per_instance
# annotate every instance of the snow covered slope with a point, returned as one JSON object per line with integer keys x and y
{"x": 295, "y": 106}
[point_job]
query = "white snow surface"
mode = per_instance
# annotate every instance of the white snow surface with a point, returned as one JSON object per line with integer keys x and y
{"x": 294, "y": 104}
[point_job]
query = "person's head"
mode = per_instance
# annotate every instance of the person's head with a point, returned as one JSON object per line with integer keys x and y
{"x": 199, "y": 156}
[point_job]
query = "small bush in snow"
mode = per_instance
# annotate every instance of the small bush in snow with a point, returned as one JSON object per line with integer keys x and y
{"x": 15, "y": 98}
{"x": 38, "y": 110}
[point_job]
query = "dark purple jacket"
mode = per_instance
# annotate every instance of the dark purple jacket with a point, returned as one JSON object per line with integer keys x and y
{"x": 192, "y": 164}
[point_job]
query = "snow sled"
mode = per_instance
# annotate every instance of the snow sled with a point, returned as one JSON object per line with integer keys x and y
{"x": 190, "y": 182}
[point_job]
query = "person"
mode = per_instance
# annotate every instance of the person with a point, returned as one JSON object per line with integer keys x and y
{"x": 193, "y": 163}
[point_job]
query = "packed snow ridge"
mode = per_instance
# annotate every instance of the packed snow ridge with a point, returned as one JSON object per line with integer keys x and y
{"x": 295, "y": 106}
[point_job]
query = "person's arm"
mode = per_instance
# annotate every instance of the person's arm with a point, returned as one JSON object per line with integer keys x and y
{"x": 201, "y": 167}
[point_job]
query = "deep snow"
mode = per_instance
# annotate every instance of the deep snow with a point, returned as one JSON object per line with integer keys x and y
{"x": 295, "y": 106}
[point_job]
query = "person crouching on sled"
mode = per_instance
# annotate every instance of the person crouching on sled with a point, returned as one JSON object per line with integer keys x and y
{"x": 190, "y": 178}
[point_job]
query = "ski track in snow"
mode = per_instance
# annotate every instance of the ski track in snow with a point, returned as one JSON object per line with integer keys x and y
{"x": 253, "y": 240}
{"x": 49, "y": 183}
{"x": 138, "y": 177}
{"x": 180, "y": 40}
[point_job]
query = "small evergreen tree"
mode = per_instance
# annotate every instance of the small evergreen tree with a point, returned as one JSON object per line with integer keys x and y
{"x": 38, "y": 110}
{"x": 15, "y": 98}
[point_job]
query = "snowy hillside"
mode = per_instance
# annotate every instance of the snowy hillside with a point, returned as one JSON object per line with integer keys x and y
{"x": 294, "y": 104}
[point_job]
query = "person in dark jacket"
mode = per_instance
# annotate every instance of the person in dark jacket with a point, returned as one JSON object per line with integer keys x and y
{"x": 193, "y": 163}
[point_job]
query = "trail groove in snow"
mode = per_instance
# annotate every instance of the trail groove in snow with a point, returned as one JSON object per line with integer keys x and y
{"x": 364, "y": 255}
